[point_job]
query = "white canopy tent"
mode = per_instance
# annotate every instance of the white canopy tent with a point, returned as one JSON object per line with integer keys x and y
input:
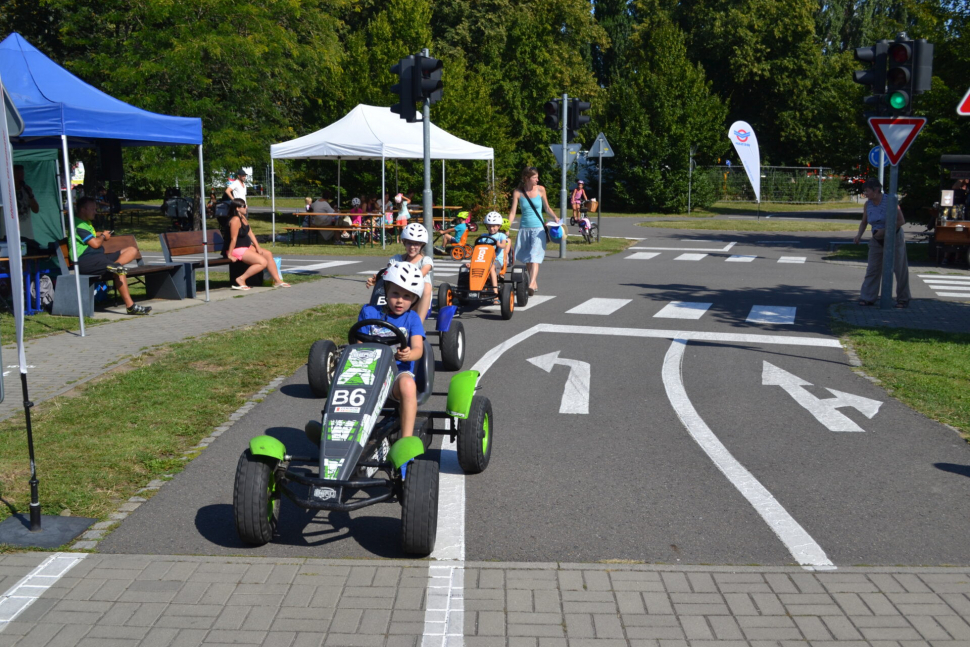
{"x": 372, "y": 132}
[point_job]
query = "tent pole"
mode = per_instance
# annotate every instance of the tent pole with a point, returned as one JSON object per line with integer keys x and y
{"x": 396, "y": 190}
{"x": 61, "y": 198}
{"x": 72, "y": 236}
{"x": 272, "y": 191}
{"x": 338, "y": 184}
{"x": 443, "y": 203}
{"x": 205, "y": 231}
{"x": 383, "y": 213}
{"x": 272, "y": 242}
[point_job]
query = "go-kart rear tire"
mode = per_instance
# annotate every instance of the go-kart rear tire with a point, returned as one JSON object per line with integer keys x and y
{"x": 507, "y": 300}
{"x": 445, "y": 296}
{"x": 475, "y": 436}
{"x": 255, "y": 499}
{"x": 321, "y": 366}
{"x": 468, "y": 252}
{"x": 522, "y": 290}
{"x": 419, "y": 513}
{"x": 452, "y": 343}
{"x": 457, "y": 253}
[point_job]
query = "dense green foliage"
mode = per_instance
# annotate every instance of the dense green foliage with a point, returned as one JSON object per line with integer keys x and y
{"x": 662, "y": 76}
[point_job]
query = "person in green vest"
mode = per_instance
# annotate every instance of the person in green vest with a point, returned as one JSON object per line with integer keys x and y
{"x": 94, "y": 260}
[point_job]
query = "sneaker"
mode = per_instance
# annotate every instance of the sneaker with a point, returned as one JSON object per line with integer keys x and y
{"x": 117, "y": 269}
{"x": 139, "y": 310}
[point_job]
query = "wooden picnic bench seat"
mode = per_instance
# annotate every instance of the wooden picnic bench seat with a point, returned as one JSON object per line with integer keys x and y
{"x": 357, "y": 233}
{"x": 184, "y": 243}
{"x": 162, "y": 281}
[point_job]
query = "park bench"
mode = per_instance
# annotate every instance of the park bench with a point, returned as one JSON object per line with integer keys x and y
{"x": 184, "y": 243}
{"x": 162, "y": 281}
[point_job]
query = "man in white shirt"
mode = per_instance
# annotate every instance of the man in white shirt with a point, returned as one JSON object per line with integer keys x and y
{"x": 237, "y": 188}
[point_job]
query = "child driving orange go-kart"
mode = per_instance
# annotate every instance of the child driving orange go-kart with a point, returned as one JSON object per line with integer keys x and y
{"x": 493, "y": 222}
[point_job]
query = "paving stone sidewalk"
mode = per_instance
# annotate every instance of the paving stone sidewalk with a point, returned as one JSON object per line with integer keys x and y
{"x": 63, "y": 361}
{"x": 115, "y": 601}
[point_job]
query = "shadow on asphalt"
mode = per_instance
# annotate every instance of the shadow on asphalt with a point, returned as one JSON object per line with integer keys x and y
{"x": 301, "y": 391}
{"x": 953, "y": 468}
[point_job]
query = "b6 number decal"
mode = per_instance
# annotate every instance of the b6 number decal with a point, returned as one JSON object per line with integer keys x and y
{"x": 354, "y": 398}
{"x": 481, "y": 253}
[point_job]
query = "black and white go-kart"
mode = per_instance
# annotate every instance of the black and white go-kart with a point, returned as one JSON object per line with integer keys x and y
{"x": 361, "y": 449}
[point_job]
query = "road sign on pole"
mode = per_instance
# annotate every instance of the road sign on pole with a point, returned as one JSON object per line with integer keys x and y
{"x": 963, "y": 108}
{"x": 876, "y": 158}
{"x": 600, "y": 147}
{"x": 896, "y": 134}
{"x": 572, "y": 151}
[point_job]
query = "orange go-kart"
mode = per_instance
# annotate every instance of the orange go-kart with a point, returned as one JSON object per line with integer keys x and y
{"x": 458, "y": 251}
{"x": 474, "y": 286}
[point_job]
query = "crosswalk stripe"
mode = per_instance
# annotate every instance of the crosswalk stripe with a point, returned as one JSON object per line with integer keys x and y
{"x": 318, "y": 266}
{"x": 534, "y": 300}
{"x": 953, "y": 294}
{"x": 740, "y": 258}
{"x": 792, "y": 259}
{"x": 946, "y": 284}
{"x": 690, "y": 257}
{"x": 683, "y": 310}
{"x": 772, "y": 315}
{"x": 948, "y": 277}
{"x": 642, "y": 256}
{"x": 598, "y": 307}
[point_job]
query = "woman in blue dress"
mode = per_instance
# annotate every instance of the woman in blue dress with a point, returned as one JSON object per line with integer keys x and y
{"x": 530, "y": 243}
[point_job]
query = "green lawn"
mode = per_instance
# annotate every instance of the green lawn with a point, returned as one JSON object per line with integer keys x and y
{"x": 40, "y": 325}
{"x": 754, "y": 225}
{"x": 915, "y": 253}
{"x": 926, "y": 370}
{"x": 94, "y": 450}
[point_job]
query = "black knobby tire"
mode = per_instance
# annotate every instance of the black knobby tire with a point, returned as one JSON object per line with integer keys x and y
{"x": 452, "y": 343}
{"x": 445, "y": 296}
{"x": 475, "y": 435}
{"x": 419, "y": 510}
{"x": 321, "y": 366}
{"x": 507, "y": 299}
{"x": 255, "y": 499}
{"x": 522, "y": 290}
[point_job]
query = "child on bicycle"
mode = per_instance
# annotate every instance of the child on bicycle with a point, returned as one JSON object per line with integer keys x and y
{"x": 404, "y": 284}
{"x": 415, "y": 237}
{"x": 493, "y": 223}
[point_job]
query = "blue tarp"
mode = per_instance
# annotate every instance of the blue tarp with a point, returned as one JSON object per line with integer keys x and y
{"x": 54, "y": 102}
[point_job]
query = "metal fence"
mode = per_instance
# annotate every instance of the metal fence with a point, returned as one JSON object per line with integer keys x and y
{"x": 786, "y": 184}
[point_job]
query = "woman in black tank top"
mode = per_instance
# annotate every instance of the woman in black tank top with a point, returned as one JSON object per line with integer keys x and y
{"x": 242, "y": 247}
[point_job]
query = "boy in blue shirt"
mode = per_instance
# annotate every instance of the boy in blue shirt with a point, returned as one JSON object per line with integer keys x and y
{"x": 403, "y": 285}
{"x": 493, "y": 223}
{"x": 458, "y": 228}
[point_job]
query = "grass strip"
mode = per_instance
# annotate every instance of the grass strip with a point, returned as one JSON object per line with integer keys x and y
{"x": 754, "y": 225}
{"x": 114, "y": 435}
{"x": 927, "y": 370}
{"x": 914, "y": 252}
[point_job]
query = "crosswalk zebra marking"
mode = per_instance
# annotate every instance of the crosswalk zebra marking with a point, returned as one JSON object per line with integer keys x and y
{"x": 690, "y": 257}
{"x": 792, "y": 259}
{"x": 642, "y": 256}
{"x": 740, "y": 258}
{"x": 772, "y": 315}
{"x": 683, "y": 310}
{"x": 598, "y": 307}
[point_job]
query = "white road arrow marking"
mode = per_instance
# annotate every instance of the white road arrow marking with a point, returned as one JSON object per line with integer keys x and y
{"x": 825, "y": 411}
{"x": 575, "y": 397}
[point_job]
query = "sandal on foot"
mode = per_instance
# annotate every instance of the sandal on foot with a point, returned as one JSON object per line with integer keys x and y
{"x": 240, "y": 287}
{"x": 282, "y": 284}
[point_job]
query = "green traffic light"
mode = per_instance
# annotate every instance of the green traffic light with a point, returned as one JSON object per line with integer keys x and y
{"x": 898, "y": 100}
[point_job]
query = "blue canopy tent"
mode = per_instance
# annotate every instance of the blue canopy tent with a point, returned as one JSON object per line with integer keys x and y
{"x": 60, "y": 110}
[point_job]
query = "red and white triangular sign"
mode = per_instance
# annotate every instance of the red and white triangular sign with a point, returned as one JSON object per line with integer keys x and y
{"x": 963, "y": 108}
{"x": 896, "y": 134}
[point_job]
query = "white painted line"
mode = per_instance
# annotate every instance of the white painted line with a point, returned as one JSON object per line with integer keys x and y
{"x": 792, "y": 259}
{"x": 933, "y": 283}
{"x": 690, "y": 257}
{"x": 699, "y": 240}
{"x": 739, "y": 258}
{"x": 599, "y": 307}
{"x": 535, "y": 300}
{"x": 642, "y": 256}
{"x": 683, "y": 310}
{"x": 772, "y": 315}
{"x": 825, "y": 410}
{"x": 953, "y": 294}
{"x": 319, "y": 266}
{"x": 799, "y": 543}
{"x": 947, "y": 277}
{"x": 25, "y": 592}
{"x": 726, "y": 248}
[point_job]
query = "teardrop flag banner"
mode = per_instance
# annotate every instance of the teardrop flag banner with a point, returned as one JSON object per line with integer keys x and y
{"x": 745, "y": 143}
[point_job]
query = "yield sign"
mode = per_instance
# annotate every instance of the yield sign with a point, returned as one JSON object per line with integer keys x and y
{"x": 963, "y": 108}
{"x": 896, "y": 134}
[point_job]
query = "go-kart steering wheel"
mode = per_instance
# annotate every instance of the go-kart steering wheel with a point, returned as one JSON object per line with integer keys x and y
{"x": 354, "y": 335}
{"x": 486, "y": 239}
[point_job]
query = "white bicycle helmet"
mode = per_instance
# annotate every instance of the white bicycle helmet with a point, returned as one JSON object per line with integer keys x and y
{"x": 405, "y": 275}
{"x": 415, "y": 232}
{"x": 355, "y": 202}
{"x": 493, "y": 218}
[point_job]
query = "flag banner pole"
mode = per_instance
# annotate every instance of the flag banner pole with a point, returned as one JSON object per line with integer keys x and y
{"x": 205, "y": 231}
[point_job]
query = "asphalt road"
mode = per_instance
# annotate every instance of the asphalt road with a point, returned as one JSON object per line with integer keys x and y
{"x": 686, "y": 454}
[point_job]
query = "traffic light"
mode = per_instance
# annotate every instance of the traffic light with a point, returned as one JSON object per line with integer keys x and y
{"x": 552, "y": 109}
{"x": 576, "y": 117}
{"x": 899, "y": 76}
{"x": 427, "y": 79}
{"x": 922, "y": 66}
{"x": 875, "y": 76}
{"x": 404, "y": 88}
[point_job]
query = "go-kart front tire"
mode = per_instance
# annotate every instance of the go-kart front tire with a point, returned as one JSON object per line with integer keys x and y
{"x": 452, "y": 343}
{"x": 507, "y": 300}
{"x": 522, "y": 290}
{"x": 321, "y": 366}
{"x": 419, "y": 513}
{"x": 445, "y": 296}
{"x": 255, "y": 499}
{"x": 475, "y": 437}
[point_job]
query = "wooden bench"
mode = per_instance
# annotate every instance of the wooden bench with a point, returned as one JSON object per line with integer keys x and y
{"x": 162, "y": 281}
{"x": 184, "y": 243}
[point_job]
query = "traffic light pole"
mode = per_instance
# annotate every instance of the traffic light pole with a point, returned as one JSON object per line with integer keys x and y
{"x": 599, "y": 197}
{"x": 565, "y": 162}
{"x": 889, "y": 242}
{"x": 427, "y": 200}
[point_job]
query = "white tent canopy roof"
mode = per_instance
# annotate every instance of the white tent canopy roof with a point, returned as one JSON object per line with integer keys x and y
{"x": 368, "y": 132}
